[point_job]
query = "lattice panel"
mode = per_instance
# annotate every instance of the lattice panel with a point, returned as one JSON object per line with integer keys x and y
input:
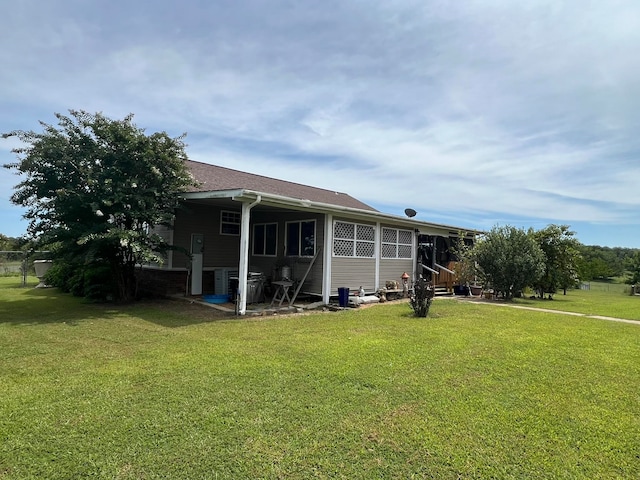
{"x": 365, "y": 249}
{"x": 344, "y": 230}
{"x": 343, "y": 248}
{"x": 389, "y": 235}
{"x": 404, "y": 251}
{"x": 405, "y": 237}
{"x": 366, "y": 232}
{"x": 388, "y": 250}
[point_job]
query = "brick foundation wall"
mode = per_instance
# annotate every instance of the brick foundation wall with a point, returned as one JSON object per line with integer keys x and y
{"x": 171, "y": 282}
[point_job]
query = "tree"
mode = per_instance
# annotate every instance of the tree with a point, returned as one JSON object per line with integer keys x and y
{"x": 7, "y": 243}
{"x": 603, "y": 263}
{"x": 561, "y": 255}
{"x": 508, "y": 259}
{"x": 633, "y": 269}
{"x": 94, "y": 189}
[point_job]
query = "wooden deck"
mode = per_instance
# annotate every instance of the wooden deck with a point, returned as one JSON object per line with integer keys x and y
{"x": 445, "y": 279}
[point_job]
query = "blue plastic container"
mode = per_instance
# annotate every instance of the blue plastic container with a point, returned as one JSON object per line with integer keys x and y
{"x": 216, "y": 298}
{"x": 343, "y": 296}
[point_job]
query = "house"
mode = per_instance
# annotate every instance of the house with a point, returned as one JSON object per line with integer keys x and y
{"x": 237, "y": 225}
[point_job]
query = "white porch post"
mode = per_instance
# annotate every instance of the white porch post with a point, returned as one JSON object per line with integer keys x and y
{"x": 243, "y": 270}
{"x": 328, "y": 248}
{"x": 378, "y": 254}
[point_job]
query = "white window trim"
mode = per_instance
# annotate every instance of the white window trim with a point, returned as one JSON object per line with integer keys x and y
{"x": 222, "y": 222}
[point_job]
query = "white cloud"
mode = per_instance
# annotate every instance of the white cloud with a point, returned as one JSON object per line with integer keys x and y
{"x": 522, "y": 110}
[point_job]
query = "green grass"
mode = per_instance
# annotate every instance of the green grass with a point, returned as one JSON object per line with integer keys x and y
{"x": 613, "y": 302}
{"x": 170, "y": 391}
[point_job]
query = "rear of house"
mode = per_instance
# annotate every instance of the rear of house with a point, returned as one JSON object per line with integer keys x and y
{"x": 237, "y": 226}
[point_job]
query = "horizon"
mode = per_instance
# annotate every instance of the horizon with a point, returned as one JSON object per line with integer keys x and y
{"x": 474, "y": 115}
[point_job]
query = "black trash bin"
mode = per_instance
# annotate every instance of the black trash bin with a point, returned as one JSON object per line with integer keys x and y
{"x": 343, "y": 296}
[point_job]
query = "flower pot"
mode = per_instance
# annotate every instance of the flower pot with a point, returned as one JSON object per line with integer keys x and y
{"x": 476, "y": 290}
{"x": 41, "y": 267}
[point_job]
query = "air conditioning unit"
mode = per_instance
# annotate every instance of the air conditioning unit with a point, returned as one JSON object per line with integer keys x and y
{"x": 222, "y": 280}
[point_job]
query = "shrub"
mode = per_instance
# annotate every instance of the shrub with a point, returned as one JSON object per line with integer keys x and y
{"x": 94, "y": 281}
{"x": 421, "y": 298}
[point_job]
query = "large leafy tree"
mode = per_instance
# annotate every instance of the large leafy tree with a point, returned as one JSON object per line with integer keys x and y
{"x": 633, "y": 269}
{"x": 508, "y": 259}
{"x": 95, "y": 188}
{"x": 561, "y": 251}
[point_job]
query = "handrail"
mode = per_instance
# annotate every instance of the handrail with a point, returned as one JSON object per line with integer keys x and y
{"x": 444, "y": 268}
{"x": 430, "y": 269}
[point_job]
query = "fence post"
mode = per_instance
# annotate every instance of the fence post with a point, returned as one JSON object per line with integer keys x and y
{"x": 24, "y": 269}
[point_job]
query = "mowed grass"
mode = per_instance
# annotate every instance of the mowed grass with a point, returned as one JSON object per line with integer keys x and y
{"x": 168, "y": 390}
{"x": 610, "y": 300}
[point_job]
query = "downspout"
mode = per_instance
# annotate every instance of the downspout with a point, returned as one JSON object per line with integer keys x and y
{"x": 243, "y": 270}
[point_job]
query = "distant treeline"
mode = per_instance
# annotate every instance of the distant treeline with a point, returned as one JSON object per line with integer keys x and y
{"x": 602, "y": 263}
{"x": 11, "y": 244}
{"x": 596, "y": 263}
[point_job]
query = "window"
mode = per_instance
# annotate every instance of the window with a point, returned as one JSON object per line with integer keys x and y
{"x": 265, "y": 239}
{"x": 397, "y": 243}
{"x": 301, "y": 238}
{"x": 229, "y": 223}
{"x": 353, "y": 240}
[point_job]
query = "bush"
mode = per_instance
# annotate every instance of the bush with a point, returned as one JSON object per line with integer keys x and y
{"x": 99, "y": 283}
{"x": 420, "y": 300}
{"x": 60, "y": 275}
{"x": 94, "y": 281}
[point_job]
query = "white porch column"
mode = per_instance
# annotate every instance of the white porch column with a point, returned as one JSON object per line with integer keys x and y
{"x": 378, "y": 254}
{"x": 327, "y": 252}
{"x": 243, "y": 270}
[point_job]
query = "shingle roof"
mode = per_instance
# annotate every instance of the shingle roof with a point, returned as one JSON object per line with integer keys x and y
{"x": 214, "y": 178}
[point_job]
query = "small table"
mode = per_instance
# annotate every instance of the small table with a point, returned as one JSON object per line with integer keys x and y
{"x": 282, "y": 292}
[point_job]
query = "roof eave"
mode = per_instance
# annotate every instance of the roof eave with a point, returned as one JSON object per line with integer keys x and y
{"x": 243, "y": 195}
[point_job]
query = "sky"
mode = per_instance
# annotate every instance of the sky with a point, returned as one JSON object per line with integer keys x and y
{"x": 474, "y": 114}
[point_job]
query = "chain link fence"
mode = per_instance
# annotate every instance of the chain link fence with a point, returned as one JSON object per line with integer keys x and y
{"x": 19, "y": 265}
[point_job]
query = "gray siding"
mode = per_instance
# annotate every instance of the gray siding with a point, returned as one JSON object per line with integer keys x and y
{"x": 219, "y": 250}
{"x": 353, "y": 273}
{"x": 392, "y": 269}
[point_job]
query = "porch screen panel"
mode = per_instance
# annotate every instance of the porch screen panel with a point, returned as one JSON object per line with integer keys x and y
{"x": 365, "y": 241}
{"x": 389, "y": 243}
{"x": 405, "y": 244}
{"x": 353, "y": 240}
{"x": 397, "y": 243}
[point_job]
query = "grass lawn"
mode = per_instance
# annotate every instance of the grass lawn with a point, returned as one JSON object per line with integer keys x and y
{"x": 167, "y": 390}
{"x": 603, "y": 299}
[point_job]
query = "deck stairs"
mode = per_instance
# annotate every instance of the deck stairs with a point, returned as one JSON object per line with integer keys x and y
{"x": 442, "y": 291}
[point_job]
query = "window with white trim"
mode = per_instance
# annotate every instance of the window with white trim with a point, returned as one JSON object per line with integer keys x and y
{"x": 229, "y": 223}
{"x": 353, "y": 240}
{"x": 301, "y": 238}
{"x": 397, "y": 243}
{"x": 265, "y": 239}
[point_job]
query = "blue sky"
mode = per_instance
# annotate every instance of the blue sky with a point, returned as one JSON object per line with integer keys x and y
{"x": 475, "y": 113}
